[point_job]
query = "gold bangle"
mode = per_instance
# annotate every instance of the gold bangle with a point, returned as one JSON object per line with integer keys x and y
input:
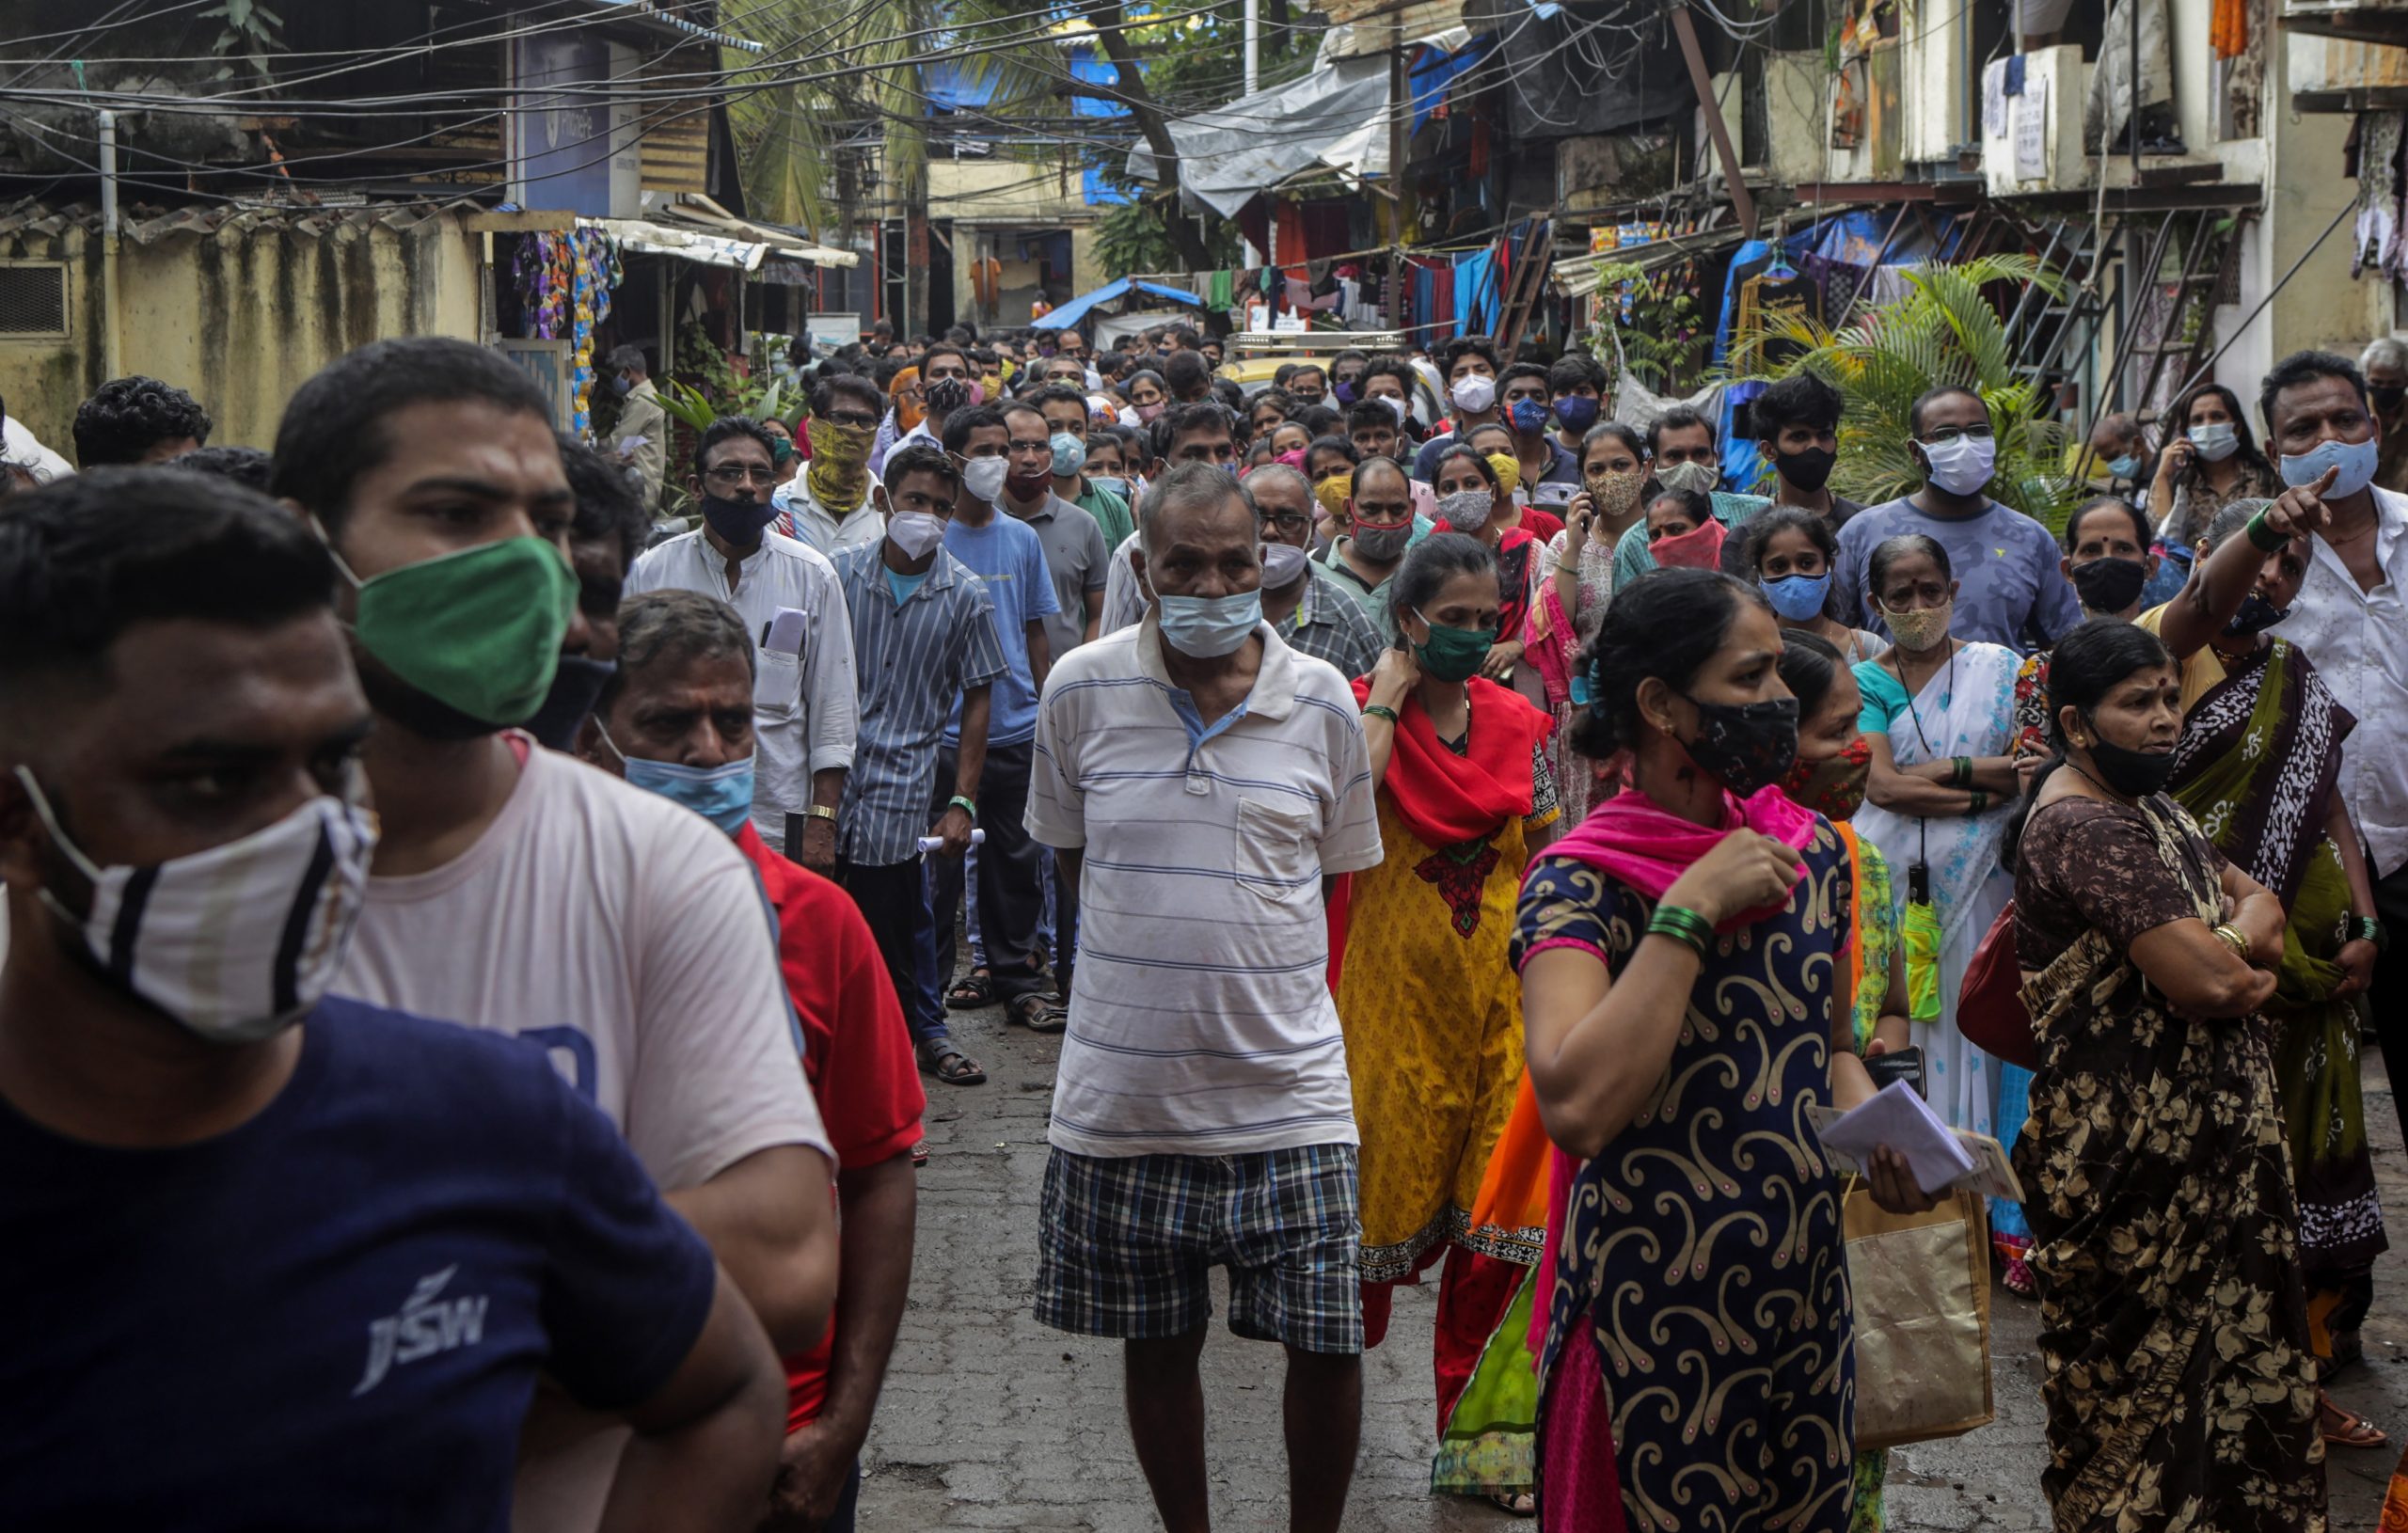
{"x": 2231, "y": 936}
{"x": 821, "y": 812}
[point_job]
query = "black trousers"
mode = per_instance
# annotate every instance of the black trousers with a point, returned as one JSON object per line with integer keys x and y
{"x": 1010, "y": 892}
{"x": 2387, "y": 997}
{"x": 893, "y": 900}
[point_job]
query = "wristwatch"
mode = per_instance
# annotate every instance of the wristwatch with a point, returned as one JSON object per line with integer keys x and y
{"x": 821, "y": 812}
{"x": 2367, "y": 928}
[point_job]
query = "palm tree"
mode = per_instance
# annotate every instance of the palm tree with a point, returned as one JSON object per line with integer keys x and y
{"x": 1944, "y": 330}
{"x": 859, "y": 64}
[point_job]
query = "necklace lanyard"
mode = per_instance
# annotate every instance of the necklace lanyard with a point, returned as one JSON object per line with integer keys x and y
{"x": 1919, "y": 876}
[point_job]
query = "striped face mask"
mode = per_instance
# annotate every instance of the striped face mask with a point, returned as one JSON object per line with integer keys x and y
{"x": 237, "y": 942}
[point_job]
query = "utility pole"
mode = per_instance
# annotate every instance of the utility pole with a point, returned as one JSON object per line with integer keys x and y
{"x": 1253, "y": 84}
{"x": 1400, "y": 186}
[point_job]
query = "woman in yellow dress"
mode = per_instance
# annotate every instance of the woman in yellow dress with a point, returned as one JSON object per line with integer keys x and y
{"x": 1427, "y": 997}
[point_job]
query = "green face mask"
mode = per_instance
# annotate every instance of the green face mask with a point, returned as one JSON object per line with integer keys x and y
{"x": 479, "y": 630}
{"x": 1453, "y": 653}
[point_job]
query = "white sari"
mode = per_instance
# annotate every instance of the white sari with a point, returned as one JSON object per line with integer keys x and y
{"x": 1968, "y": 709}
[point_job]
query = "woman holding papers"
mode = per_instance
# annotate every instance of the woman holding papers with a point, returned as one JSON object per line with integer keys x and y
{"x": 2179, "y": 1383}
{"x": 1939, "y": 716}
{"x": 1688, "y": 996}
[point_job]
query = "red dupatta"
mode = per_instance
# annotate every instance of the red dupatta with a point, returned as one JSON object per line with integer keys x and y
{"x": 1446, "y": 798}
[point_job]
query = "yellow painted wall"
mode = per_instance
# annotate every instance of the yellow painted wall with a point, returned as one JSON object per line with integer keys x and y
{"x": 241, "y": 316}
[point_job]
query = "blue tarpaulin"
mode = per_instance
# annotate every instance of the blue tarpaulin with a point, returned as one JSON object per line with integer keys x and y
{"x": 1434, "y": 71}
{"x": 1075, "y": 309}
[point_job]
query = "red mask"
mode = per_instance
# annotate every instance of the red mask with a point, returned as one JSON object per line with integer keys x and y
{"x": 1833, "y": 787}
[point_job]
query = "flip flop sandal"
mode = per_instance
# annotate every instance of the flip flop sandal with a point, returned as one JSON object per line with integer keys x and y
{"x": 972, "y": 991}
{"x": 950, "y": 1065}
{"x": 919, "y": 1155}
{"x": 1515, "y": 1503}
{"x": 2344, "y": 1427}
{"x": 1038, "y": 1014}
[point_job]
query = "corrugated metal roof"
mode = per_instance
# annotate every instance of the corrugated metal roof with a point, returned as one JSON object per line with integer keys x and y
{"x": 147, "y": 224}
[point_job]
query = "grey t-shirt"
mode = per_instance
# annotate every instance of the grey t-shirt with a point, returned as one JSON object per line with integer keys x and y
{"x": 2010, "y": 590}
{"x": 1076, "y": 555}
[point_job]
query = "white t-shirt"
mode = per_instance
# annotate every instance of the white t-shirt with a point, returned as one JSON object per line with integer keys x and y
{"x": 1201, "y": 1016}
{"x": 625, "y": 935}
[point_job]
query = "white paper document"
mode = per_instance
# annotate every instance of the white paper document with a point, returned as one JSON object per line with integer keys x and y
{"x": 1897, "y": 1117}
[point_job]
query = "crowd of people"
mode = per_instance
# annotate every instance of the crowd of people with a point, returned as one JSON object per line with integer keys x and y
{"x": 1446, "y": 827}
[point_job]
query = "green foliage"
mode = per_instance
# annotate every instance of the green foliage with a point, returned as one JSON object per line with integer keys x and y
{"x": 249, "y": 27}
{"x": 1133, "y": 238}
{"x": 710, "y": 385}
{"x": 1945, "y": 330}
{"x": 1665, "y": 341}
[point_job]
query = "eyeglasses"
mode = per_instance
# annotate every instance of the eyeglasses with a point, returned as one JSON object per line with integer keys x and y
{"x": 737, "y": 473}
{"x": 1286, "y": 521}
{"x": 1979, "y": 433}
{"x": 850, "y": 417}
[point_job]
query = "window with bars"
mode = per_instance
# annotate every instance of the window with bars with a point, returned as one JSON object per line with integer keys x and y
{"x": 33, "y": 299}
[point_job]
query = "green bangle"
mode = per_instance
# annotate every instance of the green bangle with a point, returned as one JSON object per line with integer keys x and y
{"x": 2367, "y": 928}
{"x": 2264, "y": 538}
{"x": 1981, "y": 801}
{"x": 1681, "y": 925}
{"x": 1381, "y": 710}
{"x": 958, "y": 801}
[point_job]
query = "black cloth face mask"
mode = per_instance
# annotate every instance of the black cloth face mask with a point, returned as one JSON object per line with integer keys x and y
{"x": 2110, "y": 585}
{"x": 2136, "y": 774}
{"x": 1807, "y": 470}
{"x": 1747, "y": 747}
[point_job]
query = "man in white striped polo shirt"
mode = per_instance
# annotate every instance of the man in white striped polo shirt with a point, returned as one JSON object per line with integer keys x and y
{"x": 1201, "y": 781}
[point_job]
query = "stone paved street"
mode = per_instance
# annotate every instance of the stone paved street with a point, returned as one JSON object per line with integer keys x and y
{"x": 992, "y": 1421}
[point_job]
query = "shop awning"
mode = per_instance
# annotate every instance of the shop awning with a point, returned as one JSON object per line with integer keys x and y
{"x": 699, "y": 231}
{"x": 1072, "y": 311}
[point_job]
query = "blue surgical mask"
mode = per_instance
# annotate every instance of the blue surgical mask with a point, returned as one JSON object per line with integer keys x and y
{"x": 1109, "y": 484}
{"x": 1209, "y": 627}
{"x": 2356, "y": 461}
{"x": 1070, "y": 452}
{"x": 722, "y": 794}
{"x": 1798, "y": 598}
{"x": 2124, "y": 466}
{"x": 2216, "y": 440}
{"x": 623, "y": 382}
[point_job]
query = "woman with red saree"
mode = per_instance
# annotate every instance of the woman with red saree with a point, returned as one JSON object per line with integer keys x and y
{"x": 1434, "y": 1028}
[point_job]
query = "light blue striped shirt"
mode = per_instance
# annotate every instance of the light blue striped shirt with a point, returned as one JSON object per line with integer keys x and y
{"x": 915, "y": 658}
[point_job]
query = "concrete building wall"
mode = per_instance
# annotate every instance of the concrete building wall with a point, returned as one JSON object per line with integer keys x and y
{"x": 240, "y": 315}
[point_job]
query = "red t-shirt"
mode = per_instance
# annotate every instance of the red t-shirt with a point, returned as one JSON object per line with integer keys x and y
{"x": 857, "y": 1050}
{"x": 1541, "y": 524}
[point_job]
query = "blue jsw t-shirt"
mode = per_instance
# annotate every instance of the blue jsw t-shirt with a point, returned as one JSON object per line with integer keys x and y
{"x": 332, "y": 1317}
{"x": 1007, "y": 555}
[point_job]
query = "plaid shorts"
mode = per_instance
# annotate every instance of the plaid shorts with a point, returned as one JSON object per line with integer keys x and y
{"x": 1127, "y": 1245}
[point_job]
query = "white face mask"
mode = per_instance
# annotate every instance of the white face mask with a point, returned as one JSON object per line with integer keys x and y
{"x": 1961, "y": 464}
{"x": 918, "y": 533}
{"x": 1474, "y": 391}
{"x": 2216, "y": 440}
{"x": 237, "y": 942}
{"x": 1282, "y": 566}
{"x": 984, "y": 477}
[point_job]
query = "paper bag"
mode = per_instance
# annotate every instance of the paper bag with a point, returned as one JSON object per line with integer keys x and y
{"x": 1922, "y": 1288}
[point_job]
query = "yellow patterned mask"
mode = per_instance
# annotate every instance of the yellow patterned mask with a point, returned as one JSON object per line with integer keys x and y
{"x": 838, "y": 477}
{"x": 1334, "y": 491}
{"x": 1509, "y": 470}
